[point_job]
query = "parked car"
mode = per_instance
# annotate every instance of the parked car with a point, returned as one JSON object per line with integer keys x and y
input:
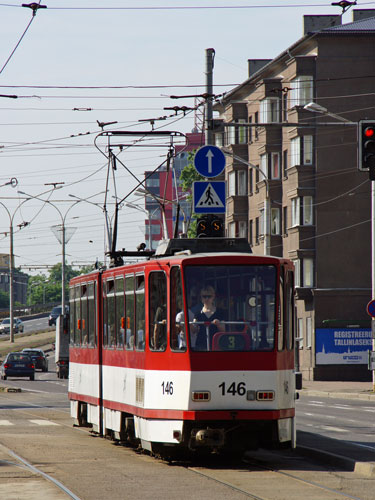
{"x": 17, "y": 325}
{"x": 17, "y": 364}
{"x": 56, "y": 311}
{"x": 39, "y": 358}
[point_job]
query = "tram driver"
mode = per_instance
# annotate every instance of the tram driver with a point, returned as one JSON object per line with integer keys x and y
{"x": 209, "y": 319}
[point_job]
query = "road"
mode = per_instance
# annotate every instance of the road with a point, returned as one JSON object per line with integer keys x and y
{"x": 351, "y": 420}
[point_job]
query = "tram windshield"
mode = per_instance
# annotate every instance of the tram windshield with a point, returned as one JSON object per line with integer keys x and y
{"x": 231, "y": 308}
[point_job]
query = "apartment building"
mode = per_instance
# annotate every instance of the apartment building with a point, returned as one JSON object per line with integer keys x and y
{"x": 293, "y": 187}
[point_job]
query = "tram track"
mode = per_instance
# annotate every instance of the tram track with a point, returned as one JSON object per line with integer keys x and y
{"x": 262, "y": 475}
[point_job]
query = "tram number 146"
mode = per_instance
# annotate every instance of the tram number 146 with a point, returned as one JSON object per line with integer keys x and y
{"x": 167, "y": 388}
{"x": 233, "y": 388}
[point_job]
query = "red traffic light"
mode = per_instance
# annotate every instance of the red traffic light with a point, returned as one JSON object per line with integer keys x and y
{"x": 369, "y": 132}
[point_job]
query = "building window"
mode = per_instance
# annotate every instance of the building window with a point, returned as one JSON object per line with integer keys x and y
{"x": 256, "y": 120}
{"x": 250, "y": 130}
{"x": 307, "y": 211}
{"x": 232, "y": 183}
{"x": 297, "y": 274}
{"x": 308, "y": 333}
{"x": 242, "y": 229}
{"x": 308, "y": 272}
{"x": 285, "y": 162}
{"x": 301, "y": 150}
{"x": 300, "y": 332}
{"x": 269, "y": 110}
{"x": 232, "y": 230}
{"x": 241, "y": 183}
{"x": 242, "y": 133}
{"x": 251, "y": 232}
{"x": 275, "y": 165}
{"x": 257, "y": 230}
{"x": 295, "y": 211}
{"x": 304, "y": 204}
{"x": 285, "y": 107}
{"x": 251, "y": 187}
{"x": 264, "y": 166}
{"x": 285, "y": 220}
{"x": 302, "y": 90}
{"x": 275, "y": 221}
{"x": 219, "y": 142}
{"x": 231, "y": 135}
{"x": 261, "y": 222}
{"x": 153, "y": 182}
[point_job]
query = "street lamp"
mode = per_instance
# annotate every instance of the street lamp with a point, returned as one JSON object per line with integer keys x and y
{"x": 317, "y": 108}
{"x": 11, "y": 264}
{"x": 61, "y": 239}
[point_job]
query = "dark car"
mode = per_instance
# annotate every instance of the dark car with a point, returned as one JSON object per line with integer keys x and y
{"x": 17, "y": 364}
{"x": 39, "y": 358}
{"x": 55, "y": 313}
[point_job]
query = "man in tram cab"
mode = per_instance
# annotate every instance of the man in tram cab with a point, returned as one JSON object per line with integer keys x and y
{"x": 209, "y": 319}
{"x": 180, "y": 320}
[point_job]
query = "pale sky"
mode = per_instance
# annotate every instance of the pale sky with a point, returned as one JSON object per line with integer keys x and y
{"x": 151, "y": 53}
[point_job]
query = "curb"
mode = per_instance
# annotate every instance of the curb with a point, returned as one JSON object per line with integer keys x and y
{"x": 366, "y": 469}
{"x": 342, "y": 395}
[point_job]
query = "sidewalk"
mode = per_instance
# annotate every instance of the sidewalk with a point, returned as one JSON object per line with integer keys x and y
{"x": 351, "y": 390}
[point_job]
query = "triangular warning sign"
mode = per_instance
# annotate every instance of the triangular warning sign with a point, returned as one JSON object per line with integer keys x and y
{"x": 209, "y": 198}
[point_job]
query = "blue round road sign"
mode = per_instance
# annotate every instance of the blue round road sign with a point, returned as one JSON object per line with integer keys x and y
{"x": 209, "y": 161}
{"x": 371, "y": 308}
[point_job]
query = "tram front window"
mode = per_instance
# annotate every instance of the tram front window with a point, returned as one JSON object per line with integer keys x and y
{"x": 234, "y": 308}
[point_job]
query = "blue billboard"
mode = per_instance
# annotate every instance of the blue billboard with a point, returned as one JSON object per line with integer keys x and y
{"x": 342, "y": 346}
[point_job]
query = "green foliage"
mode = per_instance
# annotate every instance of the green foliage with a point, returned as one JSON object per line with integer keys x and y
{"x": 187, "y": 177}
{"x": 47, "y": 289}
{"x": 4, "y": 299}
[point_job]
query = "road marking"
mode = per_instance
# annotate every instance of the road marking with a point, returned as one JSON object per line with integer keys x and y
{"x": 43, "y": 422}
{"x": 333, "y": 429}
{"x": 5, "y": 422}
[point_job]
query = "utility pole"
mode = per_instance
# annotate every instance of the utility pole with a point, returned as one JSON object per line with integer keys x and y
{"x": 210, "y": 56}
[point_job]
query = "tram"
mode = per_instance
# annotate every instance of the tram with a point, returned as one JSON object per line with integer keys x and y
{"x": 145, "y": 368}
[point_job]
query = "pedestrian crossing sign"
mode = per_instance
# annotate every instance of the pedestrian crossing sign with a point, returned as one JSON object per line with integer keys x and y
{"x": 209, "y": 197}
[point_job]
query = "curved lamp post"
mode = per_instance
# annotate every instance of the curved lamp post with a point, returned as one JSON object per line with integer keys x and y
{"x": 11, "y": 264}
{"x": 61, "y": 239}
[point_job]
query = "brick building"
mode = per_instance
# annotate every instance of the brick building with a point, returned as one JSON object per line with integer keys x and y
{"x": 297, "y": 192}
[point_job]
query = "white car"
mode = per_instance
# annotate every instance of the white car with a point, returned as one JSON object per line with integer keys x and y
{"x": 17, "y": 326}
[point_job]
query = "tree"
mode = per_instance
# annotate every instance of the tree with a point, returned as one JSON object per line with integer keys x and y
{"x": 44, "y": 289}
{"x": 4, "y": 299}
{"x": 187, "y": 177}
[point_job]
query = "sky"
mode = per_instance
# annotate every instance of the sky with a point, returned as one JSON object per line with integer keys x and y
{"x": 77, "y": 63}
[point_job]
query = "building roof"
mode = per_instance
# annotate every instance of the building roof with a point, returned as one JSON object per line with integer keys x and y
{"x": 361, "y": 26}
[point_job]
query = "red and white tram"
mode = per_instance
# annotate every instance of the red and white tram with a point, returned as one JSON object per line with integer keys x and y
{"x": 139, "y": 372}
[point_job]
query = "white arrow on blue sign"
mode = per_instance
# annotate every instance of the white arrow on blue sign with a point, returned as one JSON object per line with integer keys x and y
{"x": 209, "y": 161}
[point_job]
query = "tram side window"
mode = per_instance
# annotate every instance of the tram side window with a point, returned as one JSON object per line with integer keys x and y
{"x": 140, "y": 313}
{"x": 158, "y": 311}
{"x": 91, "y": 327}
{"x": 281, "y": 313}
{"x": 110, "y": 323}
{"x": 129, "y": 312}
{"x": 289, "y": 316}
{"x": 120, "y": 312}
{"x": 178, "y": 324}
{"x": 77, "y": 338}
{"x": 84, "y": 315}
{"x": 72, "y": 310}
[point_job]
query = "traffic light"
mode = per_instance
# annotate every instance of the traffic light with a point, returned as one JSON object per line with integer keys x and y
{"x": 210, "y": 226}
{"x": 366, "y": 147}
